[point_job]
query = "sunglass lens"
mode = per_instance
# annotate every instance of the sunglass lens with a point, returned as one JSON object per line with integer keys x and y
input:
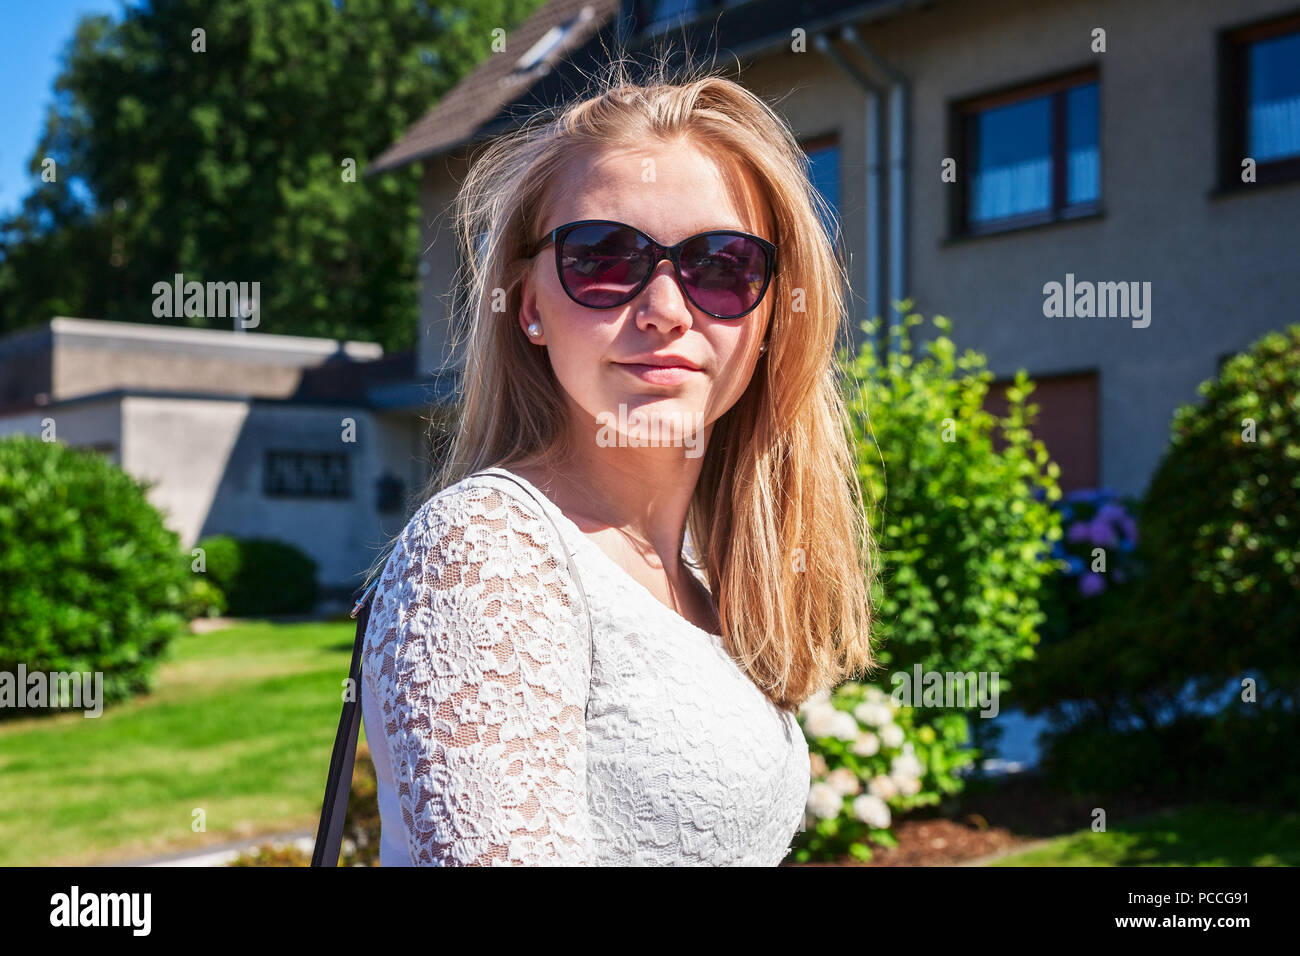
{"x": 602, "y": 265}
{"x": 724, "y": 274}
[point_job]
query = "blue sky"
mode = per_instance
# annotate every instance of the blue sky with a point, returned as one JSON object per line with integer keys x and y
{"x": 32, "y": 39}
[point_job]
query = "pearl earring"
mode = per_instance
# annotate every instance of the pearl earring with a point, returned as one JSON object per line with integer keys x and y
{"x": 762, "y": 348}
{"x": 534, "y": 329}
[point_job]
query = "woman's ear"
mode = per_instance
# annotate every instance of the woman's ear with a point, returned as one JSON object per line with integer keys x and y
{"x": 530, "y": 319}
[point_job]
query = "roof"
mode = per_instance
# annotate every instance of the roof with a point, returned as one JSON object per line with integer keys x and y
{"x": 569, "y": 38}
{"x": 500, "y": 78}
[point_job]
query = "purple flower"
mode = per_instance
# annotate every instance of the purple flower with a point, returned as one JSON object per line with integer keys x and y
{"x": 1091, "y": 584}
{"x": 1079, "y": 531}
{"x": 1102, "y": 534}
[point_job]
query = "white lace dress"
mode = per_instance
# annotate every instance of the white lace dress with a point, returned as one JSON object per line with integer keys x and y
{"x": 500, "y": 735}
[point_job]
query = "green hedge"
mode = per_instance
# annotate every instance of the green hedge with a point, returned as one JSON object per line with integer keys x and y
{"x": 260, "y": 576}
{"x": 90, "y": 577}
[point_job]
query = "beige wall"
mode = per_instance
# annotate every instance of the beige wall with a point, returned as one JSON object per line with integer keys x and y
{"x": 83, "y": 371}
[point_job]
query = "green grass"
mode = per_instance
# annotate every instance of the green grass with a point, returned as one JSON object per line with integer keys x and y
{"x": 240, "y": 723}
{"x": 1211, "y": 834}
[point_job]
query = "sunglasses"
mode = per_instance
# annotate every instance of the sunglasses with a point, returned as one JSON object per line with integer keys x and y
{"x": 604, "y": 264}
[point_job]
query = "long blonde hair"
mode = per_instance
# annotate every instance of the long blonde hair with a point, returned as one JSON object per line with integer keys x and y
{"x": 776, "y": 519}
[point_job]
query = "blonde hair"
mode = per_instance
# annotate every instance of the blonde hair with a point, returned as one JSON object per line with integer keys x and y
{"x": 778, "y": 486}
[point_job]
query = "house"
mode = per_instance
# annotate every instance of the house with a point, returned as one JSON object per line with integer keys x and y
{"x": 306, "y": 440}
{"x": 1102, "y": 192}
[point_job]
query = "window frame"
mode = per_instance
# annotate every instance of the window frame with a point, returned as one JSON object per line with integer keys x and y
{"x": 1234, "y": 106}
{"x": 963, "y": 144}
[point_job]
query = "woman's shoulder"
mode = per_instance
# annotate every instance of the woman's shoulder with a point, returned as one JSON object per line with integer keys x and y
{"x": 480, "y": 518}
{"x": 477, "y": 499}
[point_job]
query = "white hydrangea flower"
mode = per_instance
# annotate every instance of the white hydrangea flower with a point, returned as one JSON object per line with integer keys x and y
{"x": 891, "y": 735}
{"x": 906, "y": 765}
{"x": 907, "y": 786}
{"x": 872, "y": 811}
{"x": 824, "y": 801}
{"x": 817, "y": 764}
{"x": 866, "y": 745}
{"x": 882, "y": 787}
{"x": 845, "y": 781}
{"x": 873, "y": 713}
{"x": 844, "y": 726}
{"x": 819, "y": 720}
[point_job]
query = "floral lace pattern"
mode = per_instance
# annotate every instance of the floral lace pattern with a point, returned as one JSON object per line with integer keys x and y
{"x": 502, "y": 734}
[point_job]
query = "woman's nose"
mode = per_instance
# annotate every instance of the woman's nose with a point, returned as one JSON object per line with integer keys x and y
{"x": 663, "y": 303}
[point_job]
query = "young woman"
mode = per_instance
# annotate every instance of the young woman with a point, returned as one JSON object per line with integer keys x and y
{"x": 554, "y": 671}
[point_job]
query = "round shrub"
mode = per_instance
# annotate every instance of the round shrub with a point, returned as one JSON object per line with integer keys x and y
{"x": 1221, "y": 517}
{"x": 91, "y": 580}
{"x": 260, "y": 576}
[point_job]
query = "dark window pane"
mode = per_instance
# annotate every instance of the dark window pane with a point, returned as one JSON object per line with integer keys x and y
{"x": 1013, "y": 166}
{"x": 1274, "y": 120}
{"x": 824, "y": 171}
{"x": 1083, "y": 174}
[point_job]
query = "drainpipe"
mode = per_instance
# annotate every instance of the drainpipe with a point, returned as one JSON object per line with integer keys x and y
{"x": 898, "y": 106}
{"x": 872, "y": 134}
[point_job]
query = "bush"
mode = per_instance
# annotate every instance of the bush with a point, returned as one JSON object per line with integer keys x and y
{"x": 204, "y": 599}
{"x": 1217, "y": 600}
{"x": 91, "y": 580}
{"x": 964, "y": 529}
{"x": 1221, "y": 519}
{"x": 960, "y": 508}
{"x": 260, "y": 576}
{"x": 1099, "y": 564}
{"x": 869, "y": 758}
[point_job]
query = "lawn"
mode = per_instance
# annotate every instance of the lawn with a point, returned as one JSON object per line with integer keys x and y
{"x": 240, "y": 725}
{"x": 1201, "y": 835}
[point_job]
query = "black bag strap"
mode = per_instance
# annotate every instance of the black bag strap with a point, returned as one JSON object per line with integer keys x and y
{"x": 338, "y": 785}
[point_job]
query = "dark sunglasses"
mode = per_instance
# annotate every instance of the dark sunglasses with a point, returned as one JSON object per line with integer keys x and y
{"x": 604, "y": 264}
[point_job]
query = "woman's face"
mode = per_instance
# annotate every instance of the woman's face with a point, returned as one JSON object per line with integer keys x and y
{"x": 600, "y": 356}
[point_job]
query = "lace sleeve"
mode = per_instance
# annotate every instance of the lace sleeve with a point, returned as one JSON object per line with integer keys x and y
{"x": 481, "y": 668}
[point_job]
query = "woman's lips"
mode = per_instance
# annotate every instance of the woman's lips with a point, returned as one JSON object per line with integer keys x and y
{"x": 660, "y": 374}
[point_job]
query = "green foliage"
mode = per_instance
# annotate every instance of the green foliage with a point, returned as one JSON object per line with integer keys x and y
{"x": 204, "y": 599}
{"x": 1243, "y": 752}
{"x": 91, "y": 580}
{"x": 260, "y": 576}
{"x": 1221, "y": 519}
{"x": 1220, "y": 547}
{"x": 227, "y": 164}
{"x": 960, "y": 504}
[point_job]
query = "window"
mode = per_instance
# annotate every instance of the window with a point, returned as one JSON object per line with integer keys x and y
{"x": 1067, "y": 423}
{"x": 1259, "y": 107}
{"x": 306, "y": 474}
{"x": 824, "y": 171}
{"x": 1029, "y": 155}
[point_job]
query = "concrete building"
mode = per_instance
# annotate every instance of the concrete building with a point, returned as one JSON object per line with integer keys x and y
{"x": 305, "y": 440}
{"x": 977, "y": 151}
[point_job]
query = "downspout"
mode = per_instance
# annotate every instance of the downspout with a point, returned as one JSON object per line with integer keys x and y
{"x": 898, "y": 108}
{"x": 872, "y": 132}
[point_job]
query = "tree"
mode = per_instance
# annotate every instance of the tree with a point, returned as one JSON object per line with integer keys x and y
{"x": 219, "y": 141}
